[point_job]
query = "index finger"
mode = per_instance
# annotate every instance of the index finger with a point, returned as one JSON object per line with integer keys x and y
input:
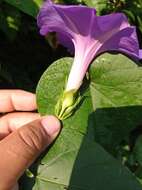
{"x": 19, "y": 100}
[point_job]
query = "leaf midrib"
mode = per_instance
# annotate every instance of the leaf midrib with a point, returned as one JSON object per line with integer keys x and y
{"x": 56, "y": 158}
{"x": 46, "y": 180}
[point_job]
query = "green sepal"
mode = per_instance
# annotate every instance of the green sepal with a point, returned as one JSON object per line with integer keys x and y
{"x": 67, "y": 103}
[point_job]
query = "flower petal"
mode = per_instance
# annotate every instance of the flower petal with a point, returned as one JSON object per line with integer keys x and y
{"x": 112, "y": 23}
{"x": 79, "y": 29}
{"x": 70, "y": 24}
{"x": 60, "y": 18}
{"x": 124, "y": 41}
{"x": 66, "y": 41}
{"x": 140, "y": 54}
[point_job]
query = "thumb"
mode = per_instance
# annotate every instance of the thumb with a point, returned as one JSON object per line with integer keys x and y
{"x": 20, "y": 148}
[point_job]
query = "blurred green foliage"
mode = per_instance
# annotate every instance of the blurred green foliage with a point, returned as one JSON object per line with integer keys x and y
{"x": 27, "y": 6}
{"x": 10, "y": 20}
{"x": 24, "y": 54}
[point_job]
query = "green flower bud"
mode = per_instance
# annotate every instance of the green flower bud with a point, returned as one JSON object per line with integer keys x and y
{"x": 66, "y": 104}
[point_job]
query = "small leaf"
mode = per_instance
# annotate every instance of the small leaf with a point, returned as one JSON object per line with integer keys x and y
{"x": 29, "y": 173}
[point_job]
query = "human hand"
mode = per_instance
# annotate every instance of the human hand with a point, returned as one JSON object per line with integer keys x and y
{"x": 20, "y": 146}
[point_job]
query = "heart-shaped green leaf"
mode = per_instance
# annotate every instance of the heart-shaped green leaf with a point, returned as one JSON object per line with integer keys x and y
{"x": 116, "y": 91}
{"x": 110, "y": 110}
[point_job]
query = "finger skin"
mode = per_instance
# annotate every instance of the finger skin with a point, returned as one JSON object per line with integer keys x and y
{"x": 13, "y": 121}
{"x": 15, "y": 187}
{"x": 19, "y": 100}
{"x": 19, "y": 149}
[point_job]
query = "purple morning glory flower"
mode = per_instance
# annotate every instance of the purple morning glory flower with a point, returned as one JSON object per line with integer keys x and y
{"x": 82, "y": 31}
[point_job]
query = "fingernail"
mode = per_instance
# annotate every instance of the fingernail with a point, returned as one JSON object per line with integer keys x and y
{"x": 51, "y": 124}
